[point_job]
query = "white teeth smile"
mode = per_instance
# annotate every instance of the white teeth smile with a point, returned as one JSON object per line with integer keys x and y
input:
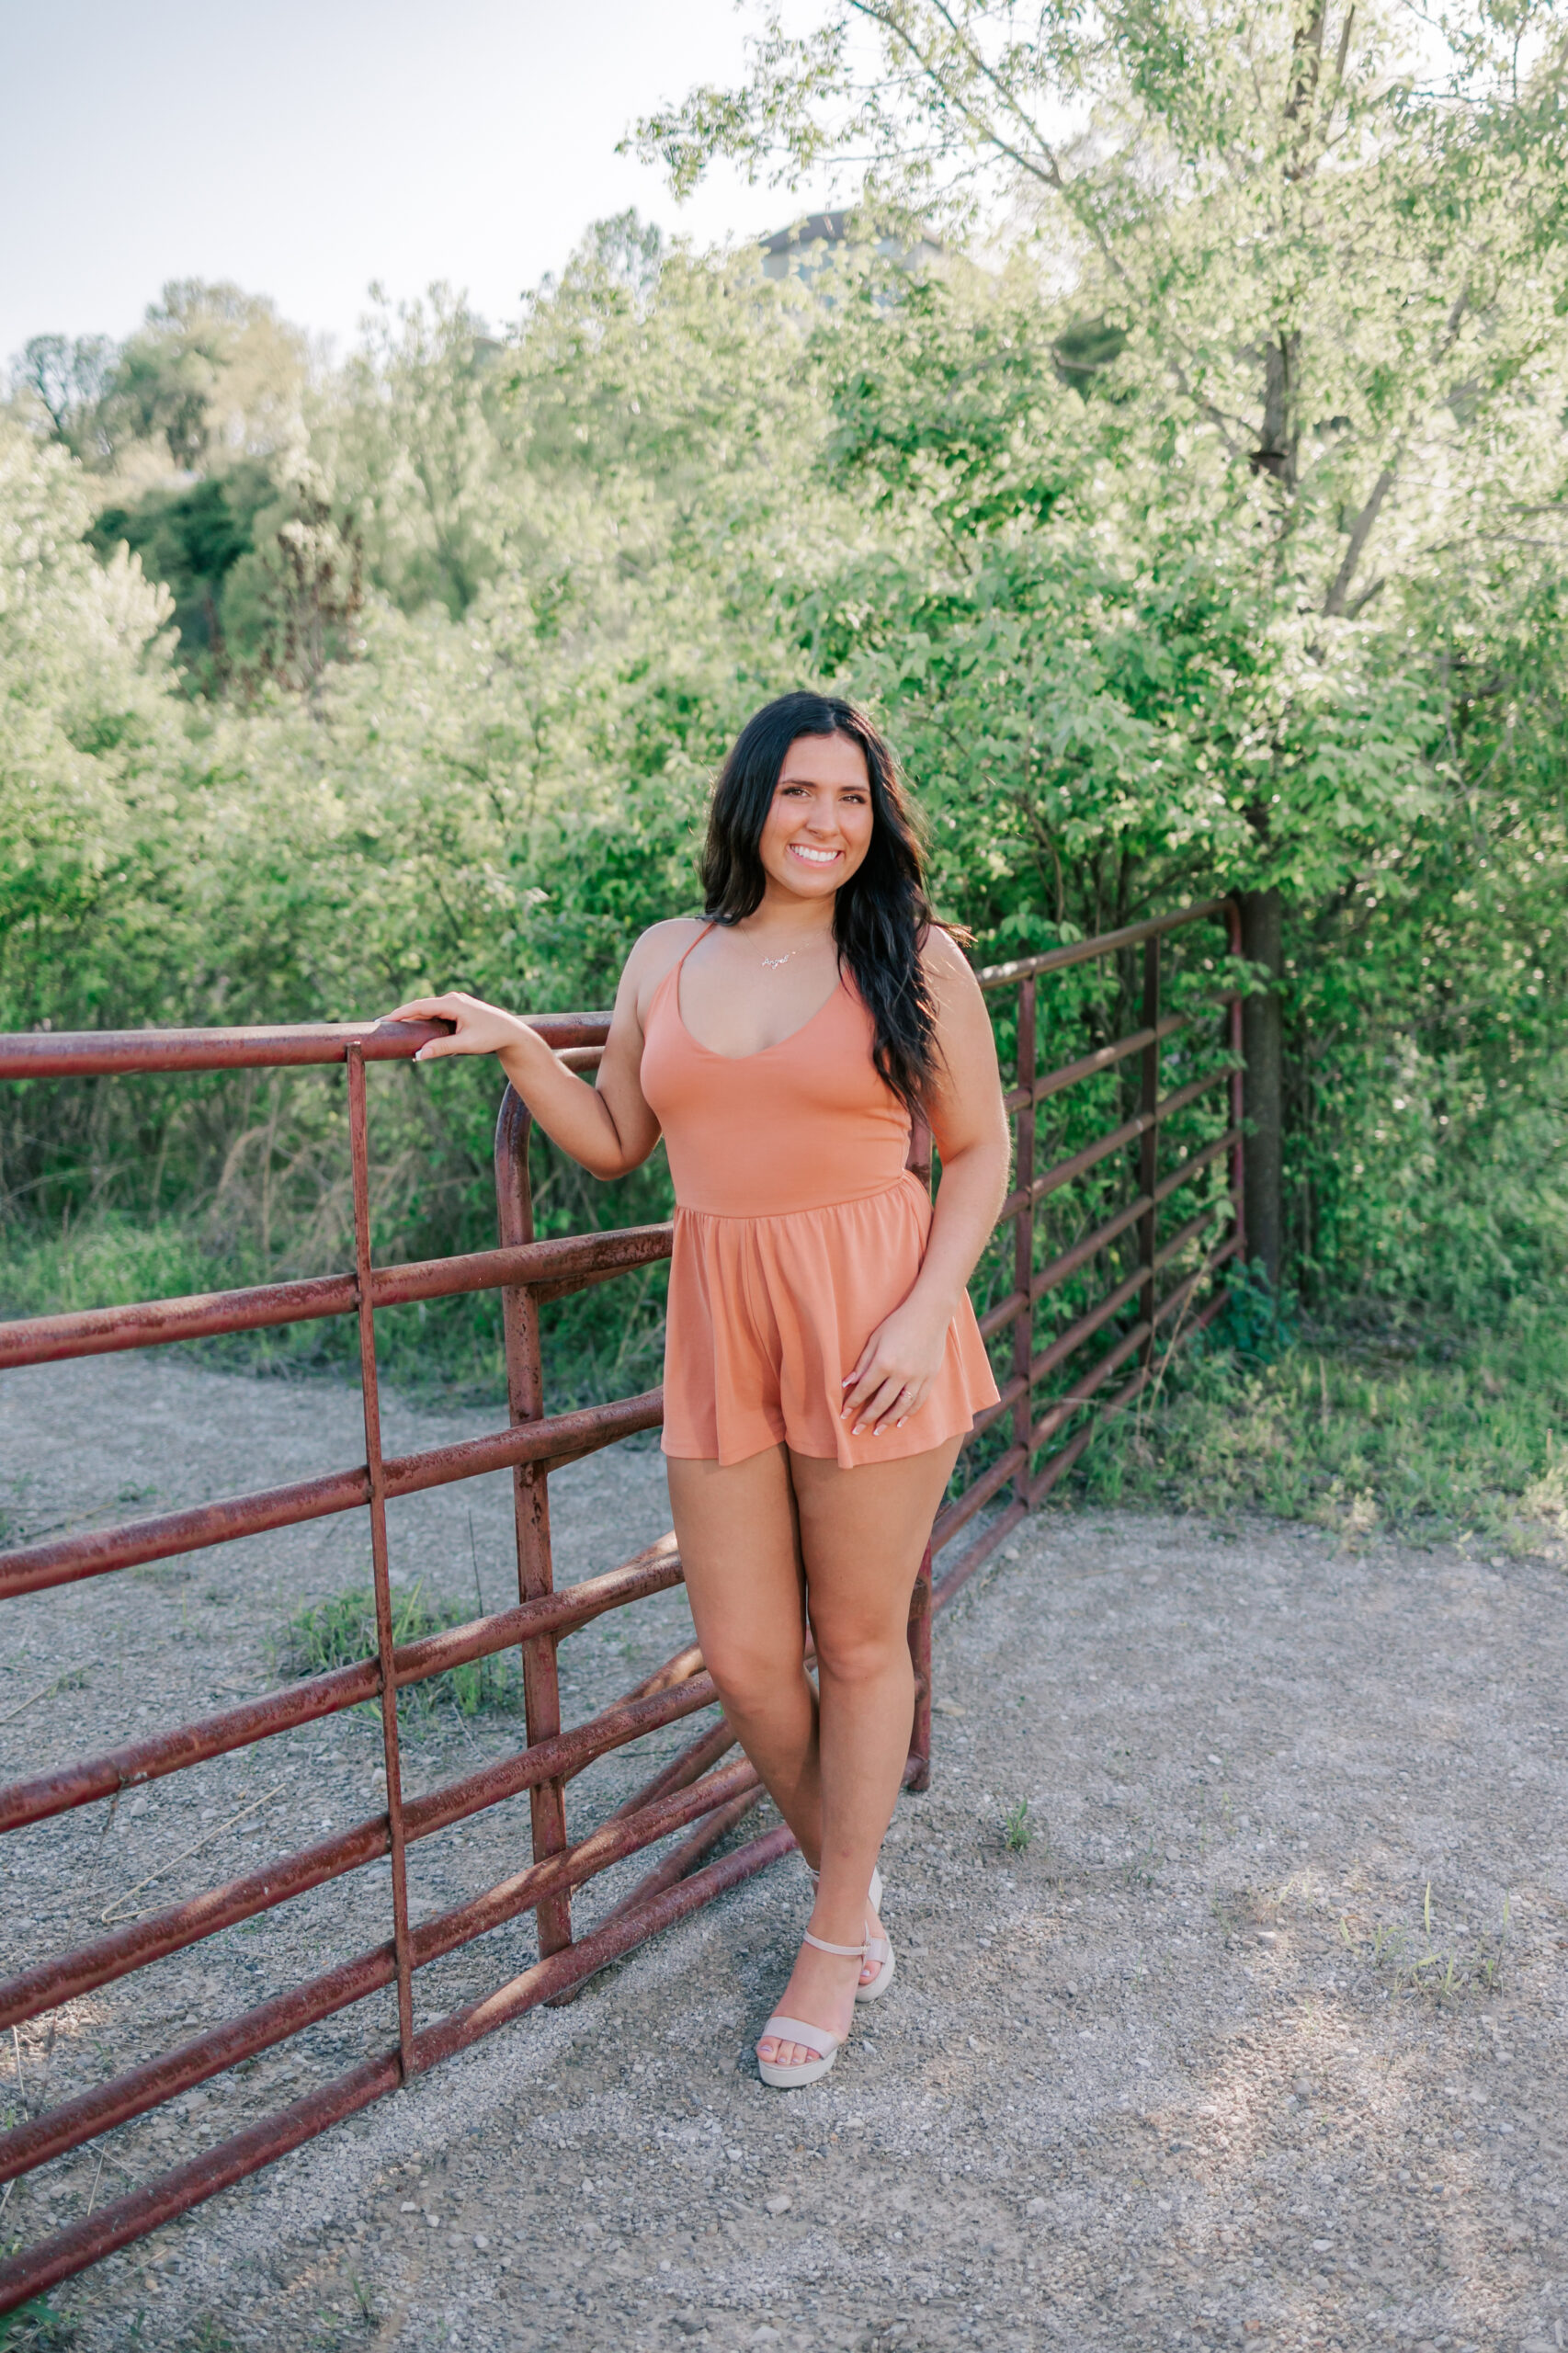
{"x": 813, "y": 857}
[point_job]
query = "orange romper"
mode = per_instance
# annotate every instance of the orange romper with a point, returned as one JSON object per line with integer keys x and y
{"x": 798, "y": 1228}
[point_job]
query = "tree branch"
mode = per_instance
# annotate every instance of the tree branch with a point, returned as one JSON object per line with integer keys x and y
{"x": 1360, "y": 531}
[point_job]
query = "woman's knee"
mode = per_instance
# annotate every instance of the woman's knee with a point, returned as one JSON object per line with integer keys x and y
{"x": 752, "y": 1682}
{"x": 857, "y": 1652}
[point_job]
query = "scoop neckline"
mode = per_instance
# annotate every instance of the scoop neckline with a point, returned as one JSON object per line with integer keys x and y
{"x": 761, "y": 1051}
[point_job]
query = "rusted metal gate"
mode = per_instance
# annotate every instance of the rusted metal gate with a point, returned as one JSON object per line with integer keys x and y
{"x": 1107, "y": 1193}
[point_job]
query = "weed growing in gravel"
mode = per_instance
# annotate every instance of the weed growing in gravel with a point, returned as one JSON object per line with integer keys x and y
{"x": 339, "y": 1633}
{"x": 1143, "y": 1864}
{"x": 34, "y": 2327}
{"x": 207, "y": 2337}
{"x": 1415, "y": 1964}
{"x": 1017, "y": 1827}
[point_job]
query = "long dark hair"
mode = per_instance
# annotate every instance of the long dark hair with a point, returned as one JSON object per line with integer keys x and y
{"x": 880, "y": 915}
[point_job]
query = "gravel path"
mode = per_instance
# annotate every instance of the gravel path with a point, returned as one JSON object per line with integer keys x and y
{"x": 1171, "y": 2073}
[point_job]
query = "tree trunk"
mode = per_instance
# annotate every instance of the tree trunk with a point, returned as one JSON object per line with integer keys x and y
{"x": 1263, "y": 1049}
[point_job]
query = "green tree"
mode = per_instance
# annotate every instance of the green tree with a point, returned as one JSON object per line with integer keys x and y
{"x": 69, "y": 378}
{"x": 1329, "y": 288}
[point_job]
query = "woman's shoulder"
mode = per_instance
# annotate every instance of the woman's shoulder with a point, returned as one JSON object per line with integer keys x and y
{"x": 663, "y": 943}
{"x": 942, "y": 956}
{"x": 657, "y": 950}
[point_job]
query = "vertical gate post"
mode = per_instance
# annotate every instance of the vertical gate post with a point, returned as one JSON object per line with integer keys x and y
{"x": 359, "y": 1146}
{"x": 530, "y": 1492}
{"x": 918, "y": 1772}
{"x": 1238, "y": 1082}
{"x": 1023, "y": 1237}
{"x": 1149, "y": 1142}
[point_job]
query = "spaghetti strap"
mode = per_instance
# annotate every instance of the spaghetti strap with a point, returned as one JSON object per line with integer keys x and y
{"x": 673, "y": 975}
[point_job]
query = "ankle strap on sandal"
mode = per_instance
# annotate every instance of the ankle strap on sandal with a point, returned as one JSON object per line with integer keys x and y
{"x": 848, "y": 1952}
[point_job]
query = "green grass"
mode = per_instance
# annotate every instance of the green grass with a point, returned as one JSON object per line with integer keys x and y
{"x": 1017, "y": 1828}
{"x": 602, "y": 1343}
{"x": 1360, "y": 1428}
{"x": 35, "y": 2327}
{"x": 1419, "y": 1960}
{"x": 339, "y": 1633}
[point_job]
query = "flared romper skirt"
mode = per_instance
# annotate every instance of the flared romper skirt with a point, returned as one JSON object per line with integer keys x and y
{"x": 798, "y": 1228}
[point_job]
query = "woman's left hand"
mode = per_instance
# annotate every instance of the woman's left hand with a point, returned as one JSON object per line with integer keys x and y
{"x": 897, "y": 1366}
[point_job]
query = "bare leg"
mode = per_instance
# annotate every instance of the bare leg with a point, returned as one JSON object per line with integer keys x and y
{"x": 862, "y": 1533}
{"x": 753, "y": 1538}
{"x": 740, "y": 1549}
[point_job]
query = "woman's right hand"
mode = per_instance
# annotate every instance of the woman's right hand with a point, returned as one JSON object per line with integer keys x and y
{"x": 478, "y": 1029}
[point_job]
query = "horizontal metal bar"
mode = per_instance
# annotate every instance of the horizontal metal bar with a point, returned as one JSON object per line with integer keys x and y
{"x": 679, "y": 1668}
{"x": 125, "y": 2219}
{"x": 1057, "y": 1351}
{"x": 1169, "y": 1105}
{"x": 953, "y": 1516}
{"x": 1084, "y": 951}
{"x": 140, "y": 2088}
{"x": 1179, "y": 1240}
{"x": 558, "y": 1438}
{"x": 1067, "y": 1171}
{"x": 1086, "y": 1326}
{"x": 569, "y": 1264}
{"x": 692, "y": 1850}
{"x": 1060, "y": 1267}
{"x": 1008, "y": 1310}
{"x": 1056, "y": 1080}
{"x": 274, "y": 2021}
{"x": 1104, "y": 1058}
{"x": 652, "y": 1571}
{"x": 1007, "y": 1398}
{"x": 1064, "y": 1459}
{"x": 1212, "y": 1265}
{"x": 689, "y": 1766}
{"x": 1069, "y": 1261}
{"x": 1064, "y": 1408}
{"x": 610, "y": 1843}
{"x": 1062, "y": 1462}
{"x": 1194, "y": 1164}
{"x": 977, "y": 1553}
{"x": 49, "y": 1983}
{"x": 99, "y": 1053}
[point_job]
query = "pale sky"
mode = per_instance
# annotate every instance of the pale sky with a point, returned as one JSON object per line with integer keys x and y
{"x": 304, "y": 147}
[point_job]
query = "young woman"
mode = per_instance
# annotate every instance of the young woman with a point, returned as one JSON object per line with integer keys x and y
{"x": 822, "y": 1362}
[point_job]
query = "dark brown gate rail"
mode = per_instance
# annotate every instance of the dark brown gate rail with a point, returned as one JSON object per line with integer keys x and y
{"x": 698, "y": 1792}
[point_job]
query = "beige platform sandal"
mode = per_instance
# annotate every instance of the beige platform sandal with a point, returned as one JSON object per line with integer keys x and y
{"x": 878, "y": 1948}
{"x": 815, "y": 2038}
